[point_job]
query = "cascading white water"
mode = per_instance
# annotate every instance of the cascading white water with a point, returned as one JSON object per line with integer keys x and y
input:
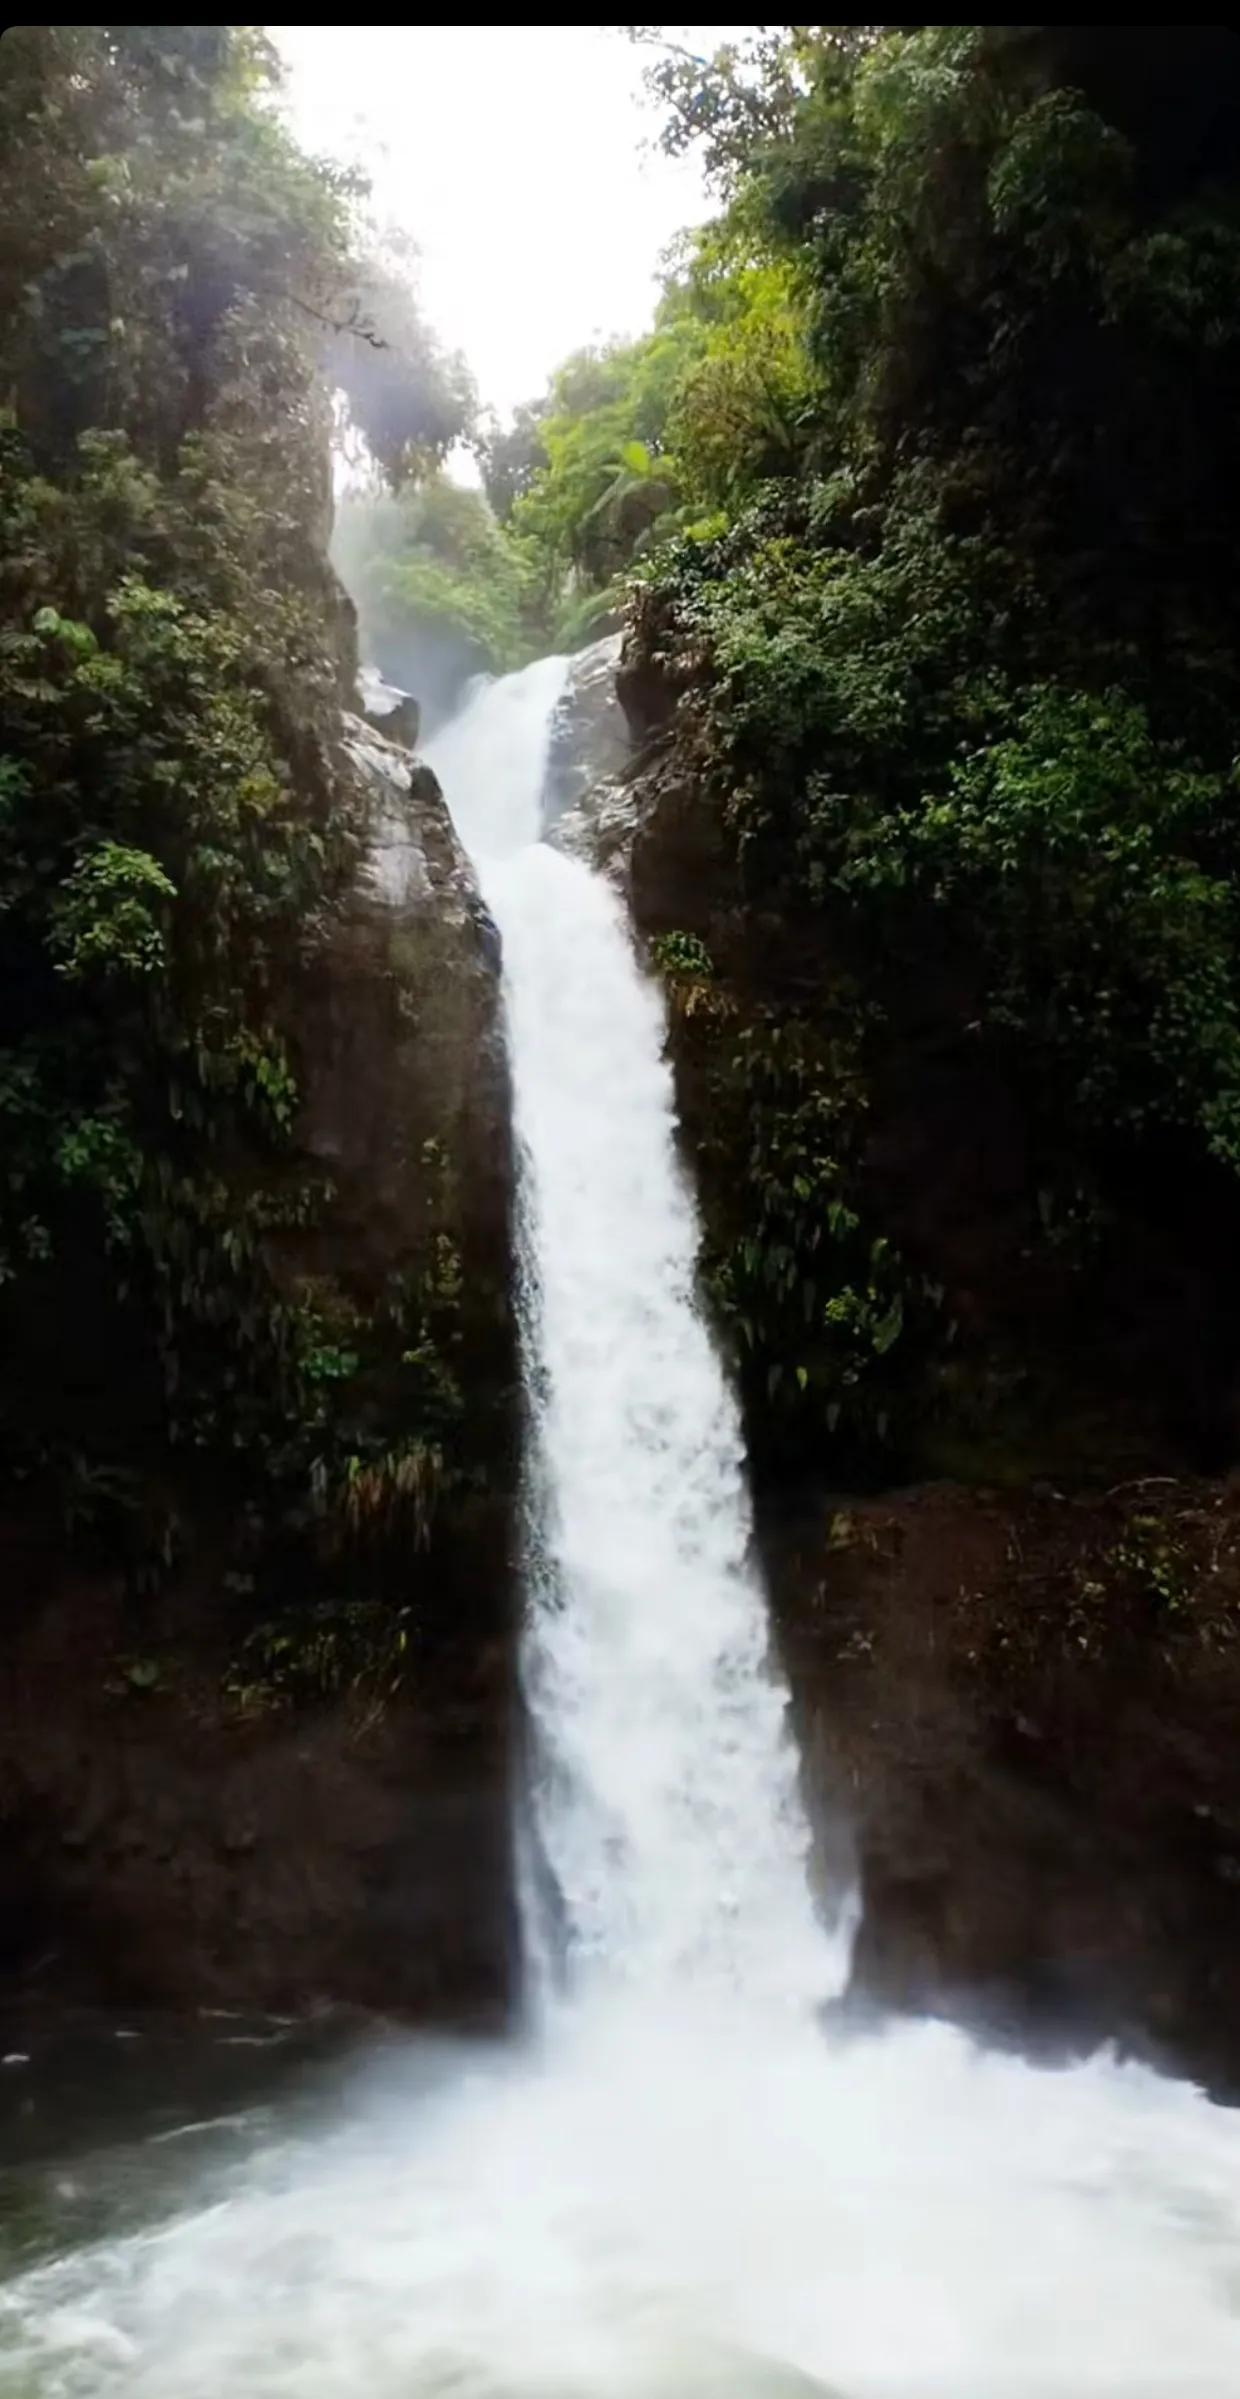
{"x": 665, "y": 1784}
{"x": 684, "y": 2188}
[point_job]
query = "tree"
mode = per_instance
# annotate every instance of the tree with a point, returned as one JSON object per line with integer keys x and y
{"x": 443, "y": 590}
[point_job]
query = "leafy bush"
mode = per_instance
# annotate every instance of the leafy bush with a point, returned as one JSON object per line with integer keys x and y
{"x": 1099, "y": 870}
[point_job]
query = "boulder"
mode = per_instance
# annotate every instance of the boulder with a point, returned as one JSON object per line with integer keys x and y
{"x": 389, "y": 710}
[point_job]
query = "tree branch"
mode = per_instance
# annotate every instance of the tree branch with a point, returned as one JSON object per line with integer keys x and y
{"x": 350, "y": 324}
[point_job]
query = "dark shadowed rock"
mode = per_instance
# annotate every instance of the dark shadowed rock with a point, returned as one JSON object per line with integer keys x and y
{"x": 1037, "y": 1757}
{"x": 163, "y": 1840}
{"x": 388, "y": 710}
{"x": 402, "y": 1035}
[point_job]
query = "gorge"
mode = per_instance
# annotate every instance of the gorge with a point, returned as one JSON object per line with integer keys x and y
{"x": 619, "y": 1134}
{"x": 682, "y": 2176}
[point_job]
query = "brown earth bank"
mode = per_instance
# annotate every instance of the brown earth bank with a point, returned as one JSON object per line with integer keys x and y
{"x": 1024, "y": 1706}
{"x": 174, "y": 1836}
{"x": 1017, "y": 1715}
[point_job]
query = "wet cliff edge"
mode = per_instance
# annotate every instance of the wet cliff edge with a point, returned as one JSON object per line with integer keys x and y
{"x": 1015, "y": 1670}
{"x": 184, "y": 1821}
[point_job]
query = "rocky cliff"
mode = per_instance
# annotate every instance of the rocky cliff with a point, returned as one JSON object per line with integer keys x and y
{"x": 1015, "y": 1667}
{"x": 290, "y": 1779}
{"x": 1015, "y": 1677}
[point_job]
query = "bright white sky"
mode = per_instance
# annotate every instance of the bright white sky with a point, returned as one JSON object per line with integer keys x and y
{"x": 520, "y": 160}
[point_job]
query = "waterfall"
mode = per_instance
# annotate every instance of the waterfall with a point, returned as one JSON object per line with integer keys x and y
{"x": 680, "y": 2184}
{"x": 664, "y": 1799}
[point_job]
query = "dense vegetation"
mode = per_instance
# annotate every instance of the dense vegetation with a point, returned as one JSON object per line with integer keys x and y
{"x": 633, "y": 443}
{"x": 958, "y": 671}
{"x": 922, "y": 496}
{"x": 180, "y": 291}
{"x": 442, "y": 592}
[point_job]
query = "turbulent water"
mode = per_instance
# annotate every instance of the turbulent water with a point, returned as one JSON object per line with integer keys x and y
{"x": 680, "y": 2182}
{"x": 664, "y": 1798}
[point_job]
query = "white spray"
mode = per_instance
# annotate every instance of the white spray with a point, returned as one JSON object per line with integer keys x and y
{"x": 665, "y": 1783}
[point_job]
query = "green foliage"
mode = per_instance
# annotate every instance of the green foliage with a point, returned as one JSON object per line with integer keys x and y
{"x": 512, "y": 457}
{"x": 816, "y": 1300}
{"x": 321, "y": 1652}
{"x": 407, "y": 399}
{"x": 1099, "y": 869}
{"x": 152, "y": 204}
{"x": 1154, "y": 1560}
{"x": 689, "y": 979}
{"x": 682, "y": 957}
{"x": 436, "y": 561}
{"x": 737, "y": 102}
{"x": 606, "y": 484}
{"x": 103, "y": 920}
{"x": 177, "y": 829}
{"x": 828, "y": 1325}
{"x": 639, "y": 441}
{"x": 1145, "y": 1580}
{"x": 961, "y": 650}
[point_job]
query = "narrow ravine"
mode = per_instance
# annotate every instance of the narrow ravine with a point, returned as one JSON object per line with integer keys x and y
{"x": 680, "y": 2180}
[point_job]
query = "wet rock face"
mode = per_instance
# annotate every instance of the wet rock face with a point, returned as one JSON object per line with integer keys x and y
{"x": 163, "y": 1841}
{"x": 402, "y": 1036}
{"x": 159, "y": 1849}
{"x": 655, "y": 667}
{"x": 389, "y": 710}
{"x": 1016, "y": 1708}
{"x": 590, "y": 740}
{"x": 621, "y": 798}
{"x": 406, "y": 1100}
{"x": 1023, "y": 1707}
{"x": 606, "y": 801}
